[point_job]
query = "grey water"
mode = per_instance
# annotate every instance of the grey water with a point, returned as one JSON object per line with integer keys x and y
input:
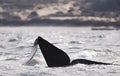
{"x": 78, "y": 42}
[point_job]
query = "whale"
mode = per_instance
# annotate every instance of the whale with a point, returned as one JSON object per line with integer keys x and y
{"x": 56, "y": 57}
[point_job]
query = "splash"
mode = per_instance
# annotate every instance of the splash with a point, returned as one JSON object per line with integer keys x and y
{"x": 33, "y": 52}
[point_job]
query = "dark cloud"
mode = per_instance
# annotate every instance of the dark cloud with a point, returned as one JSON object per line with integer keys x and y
{"x": 104, "y": 5}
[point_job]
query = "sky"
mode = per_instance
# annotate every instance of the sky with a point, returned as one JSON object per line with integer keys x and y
{"x": 81, "y": 10}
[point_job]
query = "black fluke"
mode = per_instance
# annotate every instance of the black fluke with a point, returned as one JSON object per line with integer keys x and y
{"x": 55, "y": 57}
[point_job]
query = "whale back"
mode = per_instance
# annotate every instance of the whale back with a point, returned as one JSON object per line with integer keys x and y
{"x": 54, "y": 56}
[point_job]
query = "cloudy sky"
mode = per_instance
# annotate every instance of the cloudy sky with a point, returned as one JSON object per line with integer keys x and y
{"x": 105, "y": 10}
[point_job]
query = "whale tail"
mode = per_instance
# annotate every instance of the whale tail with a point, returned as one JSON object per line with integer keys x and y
{"x": 54, "y": 56}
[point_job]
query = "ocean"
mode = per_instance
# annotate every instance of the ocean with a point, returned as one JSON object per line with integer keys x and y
{"x": 78, "y": 42}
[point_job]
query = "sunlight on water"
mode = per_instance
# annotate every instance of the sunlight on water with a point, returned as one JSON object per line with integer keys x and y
{"x": 97, "y": 45}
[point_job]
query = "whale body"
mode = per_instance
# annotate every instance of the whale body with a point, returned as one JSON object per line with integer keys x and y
{"x": 56, "y": 57}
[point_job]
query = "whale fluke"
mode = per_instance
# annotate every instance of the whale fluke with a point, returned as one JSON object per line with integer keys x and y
{"x": 55, "y": 57}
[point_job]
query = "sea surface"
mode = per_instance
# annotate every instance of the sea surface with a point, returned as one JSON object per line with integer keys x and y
{"x": 78, "y": 42}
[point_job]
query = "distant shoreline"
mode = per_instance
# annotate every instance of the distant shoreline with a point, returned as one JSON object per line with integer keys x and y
{"x": 56, "y": 22}
{"x": 35, "y": 28}
{"x": 57, "y": 28}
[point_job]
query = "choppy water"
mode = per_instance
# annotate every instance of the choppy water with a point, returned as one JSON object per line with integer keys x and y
{"x": 16, "y": 44}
